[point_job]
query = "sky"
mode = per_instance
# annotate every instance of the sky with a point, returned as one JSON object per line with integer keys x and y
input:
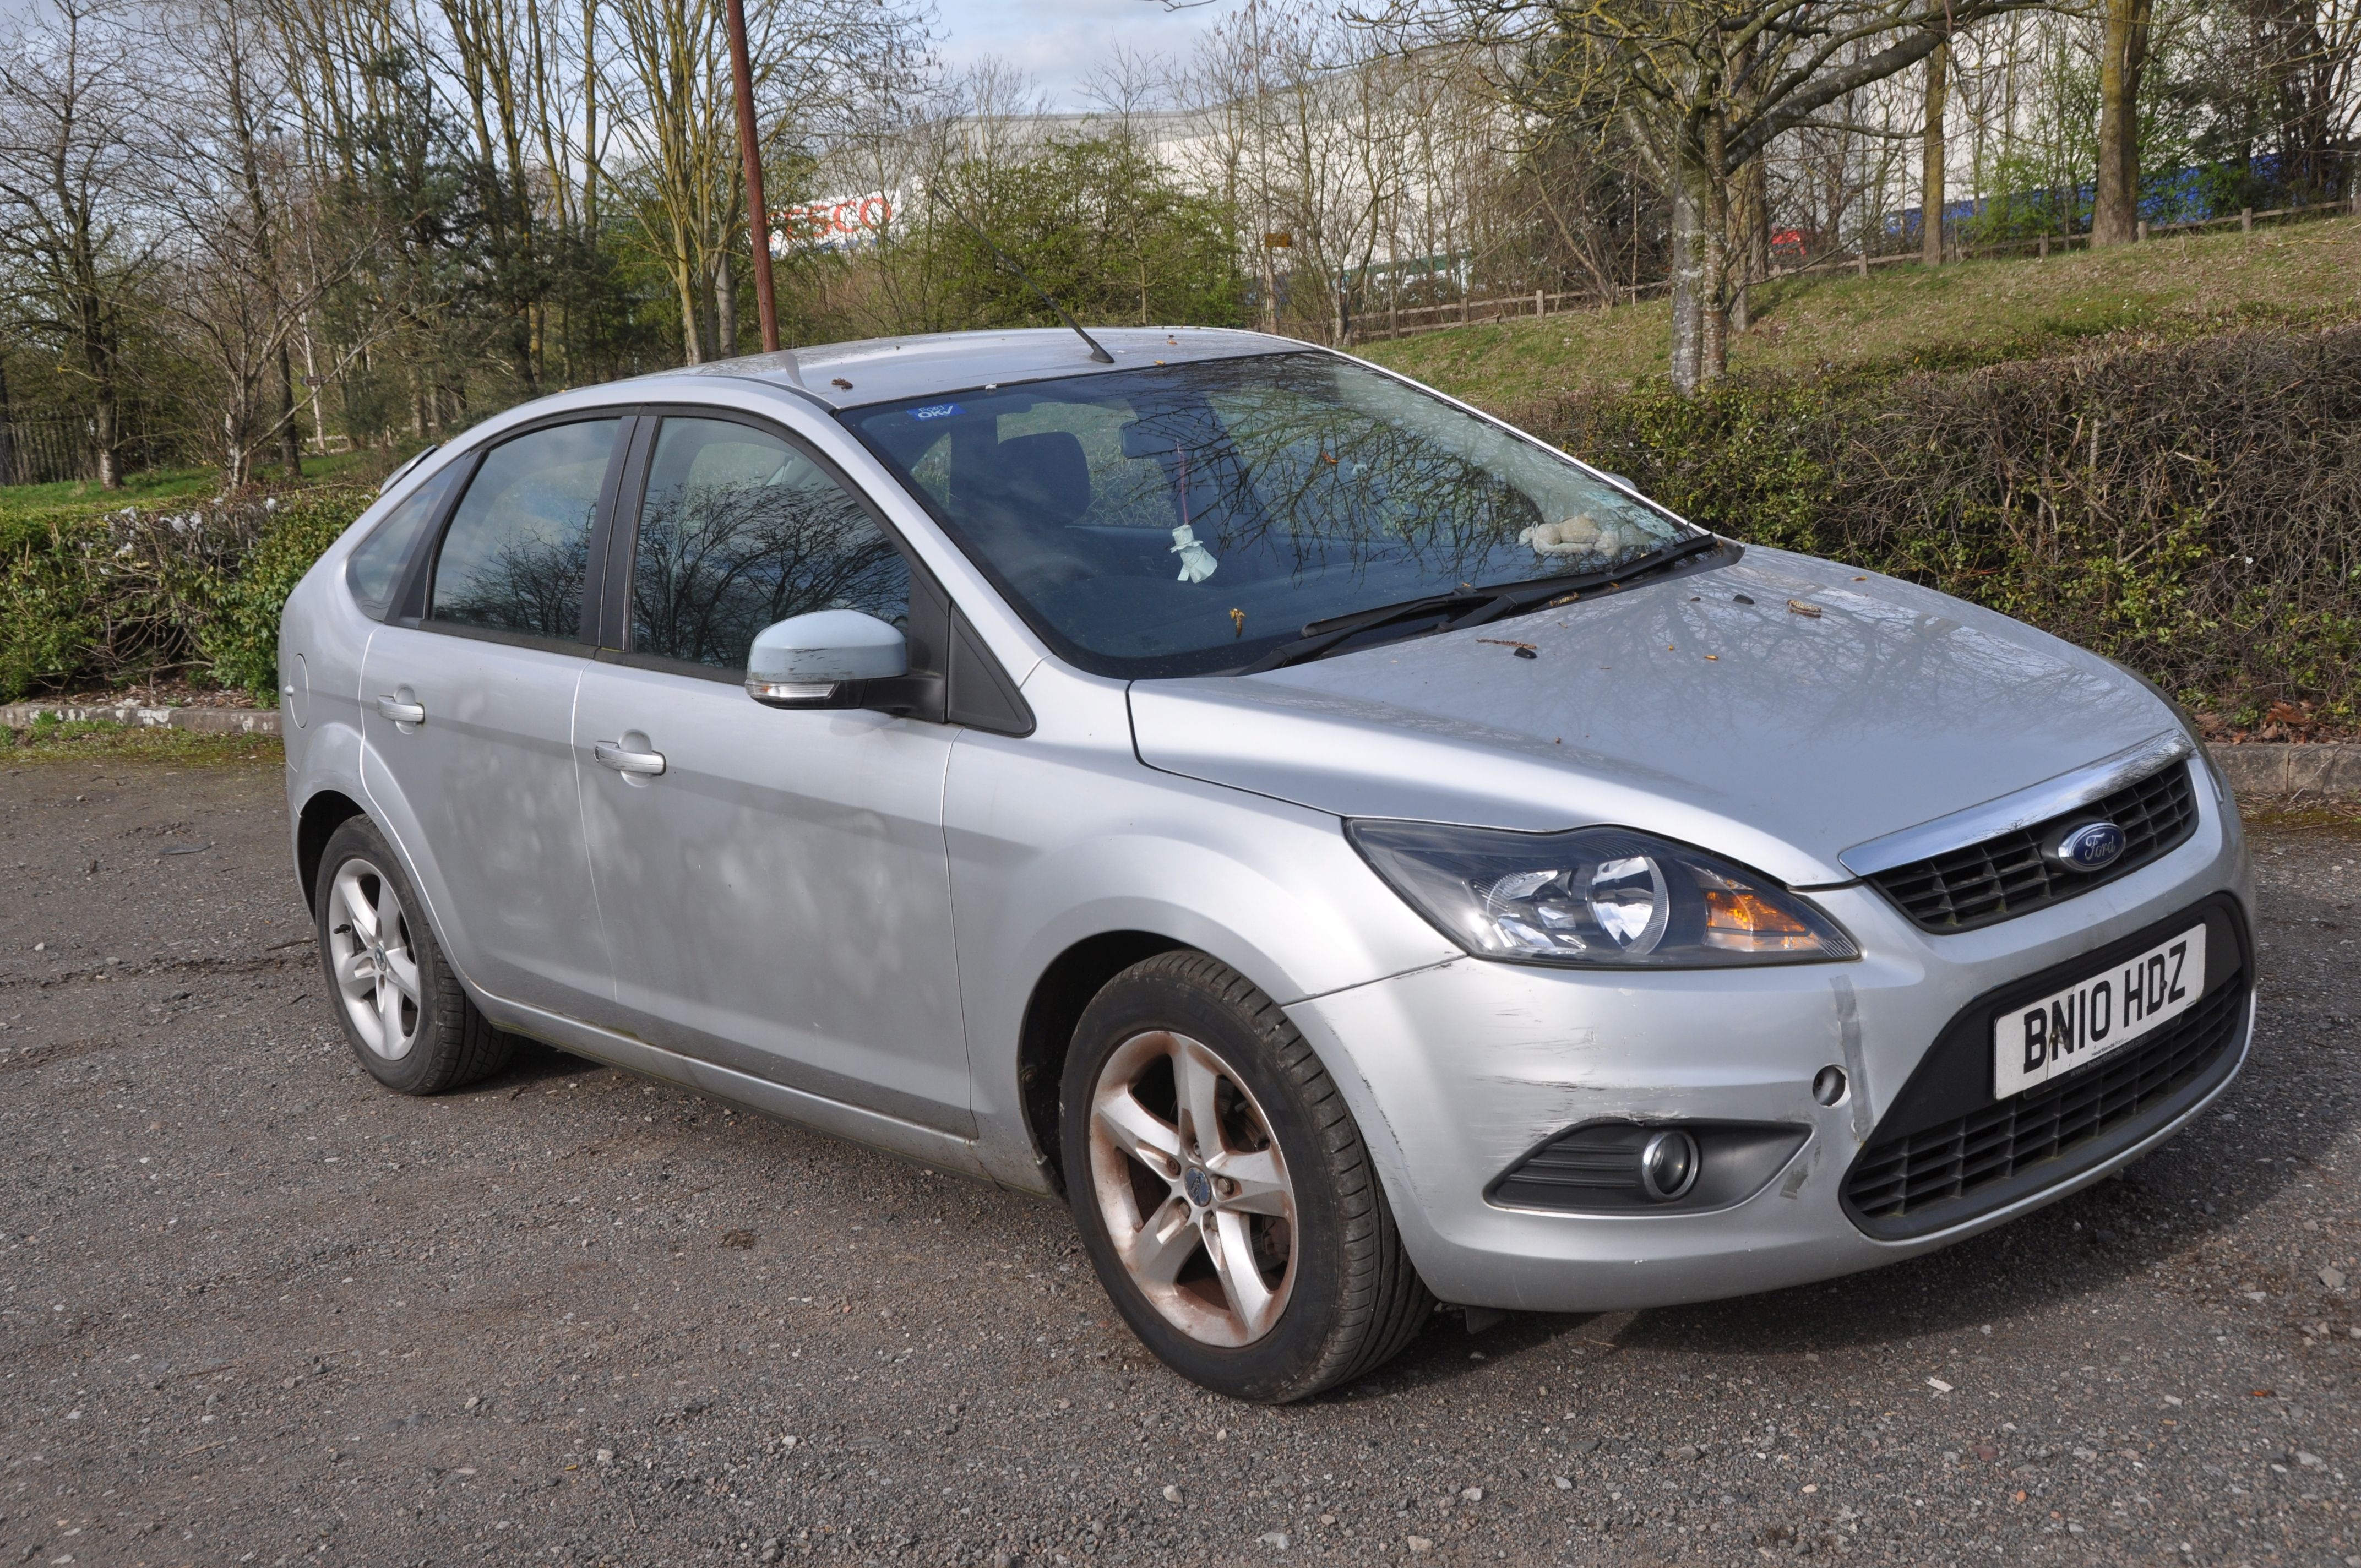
{"x": 1056, "y": 42}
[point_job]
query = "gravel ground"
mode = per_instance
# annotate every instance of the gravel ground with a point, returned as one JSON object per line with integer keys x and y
{"x": 252, "y": 1309}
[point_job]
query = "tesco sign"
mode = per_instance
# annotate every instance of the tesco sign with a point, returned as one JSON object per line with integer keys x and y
{"x": 834, "y": 225}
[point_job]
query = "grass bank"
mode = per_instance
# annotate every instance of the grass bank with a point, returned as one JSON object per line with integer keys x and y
{"x": 51, "y": 740}
{"x": 1912, "y": 318}
{"x": 80, "y": 498}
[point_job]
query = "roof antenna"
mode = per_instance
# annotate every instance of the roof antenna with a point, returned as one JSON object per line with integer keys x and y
{"x": 1097, "y": 352}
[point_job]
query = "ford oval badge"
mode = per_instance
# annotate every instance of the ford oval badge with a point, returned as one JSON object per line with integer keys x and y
{"x": 2090, "y": 847}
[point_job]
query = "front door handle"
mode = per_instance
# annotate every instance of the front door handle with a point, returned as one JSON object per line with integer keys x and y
{"x": 615, "y": 755}
{"x": 401, "y": 712}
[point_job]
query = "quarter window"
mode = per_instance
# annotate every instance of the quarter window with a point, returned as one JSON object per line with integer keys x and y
{"x": 739, "y": 529}
{"x": 373, "y": 570}
{"x": 514, "y": 556}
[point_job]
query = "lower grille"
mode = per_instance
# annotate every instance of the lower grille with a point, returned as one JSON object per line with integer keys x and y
{"x": 2008, "y": 875}
{"x": 1954, "y": 1159}
{"x": 1580, "y": 1167}
{"x": 1595, "y": 1169}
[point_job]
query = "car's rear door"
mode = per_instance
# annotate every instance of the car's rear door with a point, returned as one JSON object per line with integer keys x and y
{"x": 467, "y": 715}
{"x": 776, "y": 898}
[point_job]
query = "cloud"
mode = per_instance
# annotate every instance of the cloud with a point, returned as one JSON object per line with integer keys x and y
{"x": 1057, "y": 42}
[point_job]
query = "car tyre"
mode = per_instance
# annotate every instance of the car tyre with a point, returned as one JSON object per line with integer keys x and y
{"x": 1223, "y": 1190}
{"x": 402, "y": 1010}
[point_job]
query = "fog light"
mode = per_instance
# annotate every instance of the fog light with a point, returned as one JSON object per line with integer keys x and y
{"x": 1668, "y": 1166}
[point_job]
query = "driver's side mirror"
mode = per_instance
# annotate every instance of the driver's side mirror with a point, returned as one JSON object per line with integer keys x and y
{"x": 803, "y": 662}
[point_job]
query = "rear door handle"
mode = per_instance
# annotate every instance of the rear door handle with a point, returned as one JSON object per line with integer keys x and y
{"x": 613, "y": 754}
{"x": 401, "y": 712}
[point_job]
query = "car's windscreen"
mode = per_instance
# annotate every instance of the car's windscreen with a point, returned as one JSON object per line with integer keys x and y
{"x": 1186, "y": 519}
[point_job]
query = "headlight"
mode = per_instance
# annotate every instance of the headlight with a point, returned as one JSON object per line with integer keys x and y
{"x": 1600, "y": 897}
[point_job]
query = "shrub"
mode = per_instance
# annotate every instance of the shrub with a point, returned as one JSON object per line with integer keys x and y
{"x": 242, "y": 635}
{"x": 146, "y": 591}
{"x": 2186, "y": 508}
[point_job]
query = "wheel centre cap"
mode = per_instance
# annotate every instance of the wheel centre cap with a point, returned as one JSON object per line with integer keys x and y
{"x": 1197, "y": 1186}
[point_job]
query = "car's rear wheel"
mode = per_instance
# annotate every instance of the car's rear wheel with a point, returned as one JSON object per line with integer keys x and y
{"x": 403, "y": 1011}
{"x": 1223, "y": 1190}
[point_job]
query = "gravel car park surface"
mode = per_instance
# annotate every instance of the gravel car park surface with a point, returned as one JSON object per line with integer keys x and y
{"x": 255, "y": 1309}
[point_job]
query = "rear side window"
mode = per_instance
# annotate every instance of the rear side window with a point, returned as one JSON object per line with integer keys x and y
{"x": 373, "y": 571}
{"x": 519, "y": 545}
{"x": 741, "y": 529}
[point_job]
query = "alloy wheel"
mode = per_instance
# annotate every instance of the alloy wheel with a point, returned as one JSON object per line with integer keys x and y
{"x": 371, "y": 956}
{"x": 1192, "y": 1188}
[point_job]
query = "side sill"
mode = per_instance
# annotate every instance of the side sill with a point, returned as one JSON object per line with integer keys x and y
{"x": 889, "y": 1135}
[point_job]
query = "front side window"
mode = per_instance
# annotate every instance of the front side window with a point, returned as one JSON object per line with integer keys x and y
{"x": 514, "y": 556}
{"x": 739, "y": 529}
{"x": 1183, "y": 520}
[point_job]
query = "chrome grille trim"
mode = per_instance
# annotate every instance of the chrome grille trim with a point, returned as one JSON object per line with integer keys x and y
{"x": 2010, "y": 813}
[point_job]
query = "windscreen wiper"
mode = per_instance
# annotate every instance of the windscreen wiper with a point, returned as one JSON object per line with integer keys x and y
{"x": 1473, "y": 607}
{"x": 1320, "y": 636}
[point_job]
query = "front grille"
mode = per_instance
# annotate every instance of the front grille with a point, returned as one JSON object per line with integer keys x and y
{"x": 2008, "y": 875}
{"x": 1951, "y": 1160}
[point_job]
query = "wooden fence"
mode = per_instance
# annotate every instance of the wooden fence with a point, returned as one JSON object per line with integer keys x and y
{"x": 56, "y": 449}
{"x": 1382, "y": 323}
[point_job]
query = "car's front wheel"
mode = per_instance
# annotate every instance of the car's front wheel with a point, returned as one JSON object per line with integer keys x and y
{"x": 1223, "y": 1190}
{"x": 403, "y": 1011}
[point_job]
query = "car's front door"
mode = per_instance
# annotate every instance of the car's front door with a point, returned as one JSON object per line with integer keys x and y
{"x": 467, "y": 709}
{"x": 776, "y": 898}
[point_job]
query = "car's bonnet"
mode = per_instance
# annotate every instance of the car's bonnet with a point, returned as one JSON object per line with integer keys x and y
{"x": 1832, "y": 709}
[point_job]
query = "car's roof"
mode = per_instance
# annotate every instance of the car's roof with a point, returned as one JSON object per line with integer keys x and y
{"x": 885, "y": 370}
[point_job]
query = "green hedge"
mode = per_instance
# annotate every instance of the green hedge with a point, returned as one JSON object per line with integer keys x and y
{"x": 2192, "y": 509}
{"x": 142, "y": 592}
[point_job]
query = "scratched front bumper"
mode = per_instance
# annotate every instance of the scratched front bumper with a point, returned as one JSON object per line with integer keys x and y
{"x": 1459, "y": 1072}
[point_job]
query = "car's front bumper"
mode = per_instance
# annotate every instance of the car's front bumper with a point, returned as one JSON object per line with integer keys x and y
{"x": 1459, "y": 1072}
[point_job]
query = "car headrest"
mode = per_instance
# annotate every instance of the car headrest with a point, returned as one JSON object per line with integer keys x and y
{"x": 1045, "y": 477}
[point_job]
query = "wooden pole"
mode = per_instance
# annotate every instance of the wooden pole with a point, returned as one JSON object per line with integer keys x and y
{"x": 750, "y": 151}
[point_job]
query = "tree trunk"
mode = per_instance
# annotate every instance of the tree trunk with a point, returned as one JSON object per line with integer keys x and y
{"x": 1700, "y": 320}
{"x": 692, "y": 341}
{"x": 105, "y": 416}
{"x": 2115, "y": 217}
{"x": 237, "y": 461}
{"x": 1751, "y": 215}
{"x": 1688, "y": 279}
{"x": 291, "y": 439}
{"x": 725, "y": 308}
{"x": 1930, "y": 158}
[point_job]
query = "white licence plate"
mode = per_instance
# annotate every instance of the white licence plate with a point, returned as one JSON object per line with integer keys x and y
{"x": 2042, "y": 1039}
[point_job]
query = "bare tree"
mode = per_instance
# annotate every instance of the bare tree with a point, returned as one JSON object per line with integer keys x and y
{"x": 1705, "y": 87}
{"x": 69, "y": 111}
{"x": 1309, "y": 127}
{"x": 250, "y": 256}
{"x": 675, "y": 118}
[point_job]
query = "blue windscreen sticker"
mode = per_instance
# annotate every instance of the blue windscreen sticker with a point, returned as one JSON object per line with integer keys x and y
{"x": 940, "y": 410}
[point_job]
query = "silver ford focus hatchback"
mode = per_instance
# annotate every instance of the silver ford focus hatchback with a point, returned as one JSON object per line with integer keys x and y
{"x": 1355, "y": 853}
